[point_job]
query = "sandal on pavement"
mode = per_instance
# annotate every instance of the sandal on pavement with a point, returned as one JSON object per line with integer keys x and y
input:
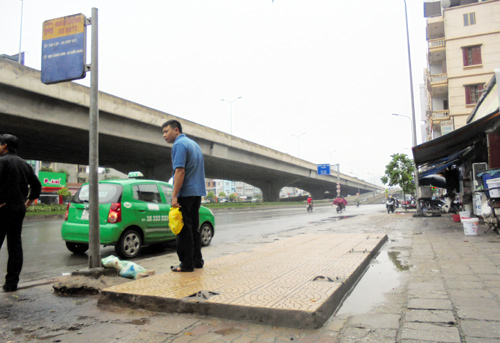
{"x": 180, "y": 269}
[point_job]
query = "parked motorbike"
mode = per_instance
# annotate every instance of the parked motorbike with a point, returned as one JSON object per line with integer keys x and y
{"x": 490, "y": 207}
{"x": 490, "y": 212}
{"x": 390, "y": 205}
{"x": 451, "y": 204}
{"x": 431, "y": 207}
{"x": 434, "y": 207}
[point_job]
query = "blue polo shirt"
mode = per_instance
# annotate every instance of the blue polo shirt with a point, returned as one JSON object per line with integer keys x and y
{"x": 187, "y": 154}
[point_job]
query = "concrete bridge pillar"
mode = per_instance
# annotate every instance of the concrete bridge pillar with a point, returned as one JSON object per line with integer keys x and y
{"x": 159, "y": 171}
{"x": 317, "y": 194}
{"x": 270, "y": 189}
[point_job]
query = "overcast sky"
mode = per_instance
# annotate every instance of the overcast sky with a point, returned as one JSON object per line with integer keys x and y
{"x": 318, "y": 78}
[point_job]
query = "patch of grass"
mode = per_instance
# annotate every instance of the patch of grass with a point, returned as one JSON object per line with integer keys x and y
{"x": 45, "y": 213}
{"x": 250, "y": 204}
{"x": 43, "y": 209}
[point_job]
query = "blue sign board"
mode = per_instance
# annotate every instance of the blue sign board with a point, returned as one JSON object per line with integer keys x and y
{"x": 63, "y": 49}
{"x": 323, "y": 169}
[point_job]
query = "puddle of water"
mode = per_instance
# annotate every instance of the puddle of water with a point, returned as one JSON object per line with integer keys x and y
{"x": 393, "y": 255}
{"x": 334, "y": 218}
{"x": 382, "y": 276}
{"x": 142, "y": 321}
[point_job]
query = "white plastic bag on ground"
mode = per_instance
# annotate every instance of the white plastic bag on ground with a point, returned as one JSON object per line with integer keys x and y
{"x": 125, "y": 268}
{"x": 111, "y": 262}
{"x": 131, "y": 269}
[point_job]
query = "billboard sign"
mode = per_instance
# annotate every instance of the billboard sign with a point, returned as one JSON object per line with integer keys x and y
{"x": 63, "y": 49}
{"x": 53, "y": 180}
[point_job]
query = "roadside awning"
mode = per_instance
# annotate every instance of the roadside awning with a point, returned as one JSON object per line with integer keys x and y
{"x": 436, "y": 155}
{"x": 441, "y": 164}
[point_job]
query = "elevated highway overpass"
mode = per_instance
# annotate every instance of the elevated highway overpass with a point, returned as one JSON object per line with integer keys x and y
{"x": 52, "y": 123}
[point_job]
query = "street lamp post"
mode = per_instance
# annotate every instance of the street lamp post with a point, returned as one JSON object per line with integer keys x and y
{"x": 298, "y": 141}
{"x": 413, "y": 140}
{"x": 230, "y": 102}
{"x": 20, "y": 33}
{"x": 414, "y": 127}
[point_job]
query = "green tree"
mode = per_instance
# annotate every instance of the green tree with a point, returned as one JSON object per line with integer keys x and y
{"x": 65, "y": 193}
{"x": 232, "y": 197}
{"x": 210, "y": 196}
{"x": 399, "y": 172}
{"x": 222, "y": 195}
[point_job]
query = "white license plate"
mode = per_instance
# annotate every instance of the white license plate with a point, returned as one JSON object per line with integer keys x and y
{"x": 85, "y": 215}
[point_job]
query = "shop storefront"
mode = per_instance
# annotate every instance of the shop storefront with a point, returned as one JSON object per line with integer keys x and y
{"x": 51, "y": 184}
{"x": 460, "y": 156}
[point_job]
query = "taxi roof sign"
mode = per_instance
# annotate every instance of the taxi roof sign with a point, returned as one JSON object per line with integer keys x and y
{"x": 135, "y": 174}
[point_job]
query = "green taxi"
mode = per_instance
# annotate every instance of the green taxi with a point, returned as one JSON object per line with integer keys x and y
{"x": 133, "y": 213}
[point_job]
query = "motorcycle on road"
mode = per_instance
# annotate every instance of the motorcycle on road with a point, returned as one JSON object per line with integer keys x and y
{"x": 390, "y": 205}
{"x": 341, "y": 203}
{"x": 309, "y": 207}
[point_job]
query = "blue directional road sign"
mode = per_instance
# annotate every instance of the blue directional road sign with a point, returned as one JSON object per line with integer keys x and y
{"x": 323, "y": 169}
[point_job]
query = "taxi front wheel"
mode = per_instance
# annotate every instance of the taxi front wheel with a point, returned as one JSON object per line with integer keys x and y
{"x": 129, "y": 244}
{"x": 206, "y": 234}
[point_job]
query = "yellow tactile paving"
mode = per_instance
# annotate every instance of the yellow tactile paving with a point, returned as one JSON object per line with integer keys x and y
{"x": 297, "y": 281}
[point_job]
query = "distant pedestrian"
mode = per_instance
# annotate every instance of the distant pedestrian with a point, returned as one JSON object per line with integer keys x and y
{"x": 189, "y": 187}
{"x": 19, "y": 188}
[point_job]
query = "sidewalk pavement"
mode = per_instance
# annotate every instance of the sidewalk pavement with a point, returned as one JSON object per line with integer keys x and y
{"x": 297, "y": 282}
{"x": 429, "y": 283}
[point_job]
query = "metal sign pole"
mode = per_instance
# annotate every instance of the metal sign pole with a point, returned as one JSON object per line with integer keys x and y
{"x": 413, "y": 122}
{"x": 338, "y": 179}
{"x": 94, "y": 234}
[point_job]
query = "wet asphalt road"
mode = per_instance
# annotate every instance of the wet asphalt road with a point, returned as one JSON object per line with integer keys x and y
{"x": 46, "y": 256}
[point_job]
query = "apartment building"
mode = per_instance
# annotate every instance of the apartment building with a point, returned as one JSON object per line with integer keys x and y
{"x": 463, "y": 51}
{"x": 243, "y": 190}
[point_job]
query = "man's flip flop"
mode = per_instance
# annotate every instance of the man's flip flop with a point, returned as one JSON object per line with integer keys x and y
{"x": 179, "y": 269}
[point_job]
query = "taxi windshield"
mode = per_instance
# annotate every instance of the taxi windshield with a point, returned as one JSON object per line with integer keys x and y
{"x": 108, "y": 193}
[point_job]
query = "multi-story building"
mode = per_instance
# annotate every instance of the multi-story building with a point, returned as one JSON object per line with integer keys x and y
{"x": 243, "y": 190}
{"x": 463, "y": 51}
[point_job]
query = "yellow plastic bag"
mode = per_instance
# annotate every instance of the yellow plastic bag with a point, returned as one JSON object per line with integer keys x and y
{"x": 175, "y": 221}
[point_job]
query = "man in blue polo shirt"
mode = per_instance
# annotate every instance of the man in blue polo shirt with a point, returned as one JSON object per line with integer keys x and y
{"x": 189, "y": 187}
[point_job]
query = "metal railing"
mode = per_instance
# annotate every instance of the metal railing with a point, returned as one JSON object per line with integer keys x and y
{"x": 436, "y": 43}
{"x": 438, "y": 78}
{"x": 440, "y": 115}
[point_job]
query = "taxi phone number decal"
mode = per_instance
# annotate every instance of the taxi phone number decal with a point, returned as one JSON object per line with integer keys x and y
{"x": 157, "y": 218}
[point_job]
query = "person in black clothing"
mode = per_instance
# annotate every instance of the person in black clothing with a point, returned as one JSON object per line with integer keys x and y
{"x": 15, "y": 177}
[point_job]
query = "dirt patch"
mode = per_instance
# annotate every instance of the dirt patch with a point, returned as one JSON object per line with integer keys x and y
{"x": 84, "y": 285}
